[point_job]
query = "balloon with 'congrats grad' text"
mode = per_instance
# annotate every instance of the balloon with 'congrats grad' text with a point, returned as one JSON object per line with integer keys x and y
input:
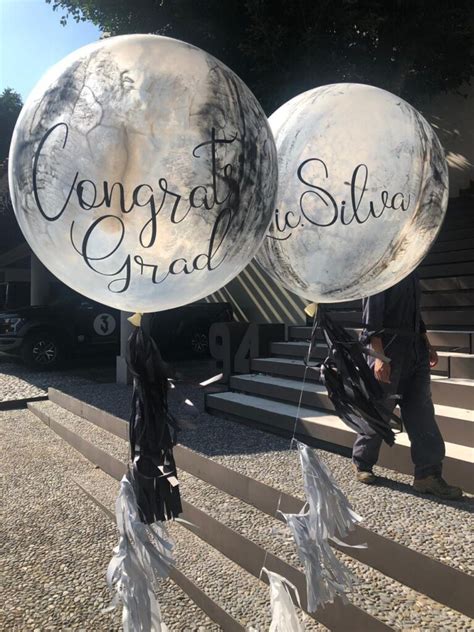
{"x": 143, "y": 172}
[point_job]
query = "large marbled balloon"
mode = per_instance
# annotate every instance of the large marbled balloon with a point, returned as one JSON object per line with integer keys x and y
{"x": 143, "y": 172}
{"x": 363, "y": 189}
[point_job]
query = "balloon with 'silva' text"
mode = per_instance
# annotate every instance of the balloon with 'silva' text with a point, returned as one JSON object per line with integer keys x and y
{"x": 363, "y": 190}
{"x": 143, "y": 172}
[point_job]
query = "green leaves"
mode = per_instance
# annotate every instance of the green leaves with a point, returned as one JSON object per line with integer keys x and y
{"x": 10, "y": 106}
{"x": 281, "y": 47}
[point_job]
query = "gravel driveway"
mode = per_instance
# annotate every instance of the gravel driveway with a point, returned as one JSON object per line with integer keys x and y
{"x": 18, "y": 382}
{"x": 57, "y": 543}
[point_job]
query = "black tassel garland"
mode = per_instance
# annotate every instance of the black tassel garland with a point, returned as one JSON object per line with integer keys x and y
{"x": 357, "y": 396}
{"x": 153, "y": 430}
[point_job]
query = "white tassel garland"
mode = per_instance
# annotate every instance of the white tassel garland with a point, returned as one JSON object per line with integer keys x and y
{"x": 284, "y": 616}
{"x": 326, "y": 515}
{"x": 144, "y": 554}
{"x": 325, "y": 499}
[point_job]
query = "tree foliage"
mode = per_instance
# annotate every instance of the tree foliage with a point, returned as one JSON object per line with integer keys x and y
{"x": 10, "y": 106}
{"x": 283, "y": 47}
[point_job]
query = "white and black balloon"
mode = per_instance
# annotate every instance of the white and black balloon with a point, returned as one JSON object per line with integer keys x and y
{"x": 363, "y": 190}
{"x": 143, "y": 172}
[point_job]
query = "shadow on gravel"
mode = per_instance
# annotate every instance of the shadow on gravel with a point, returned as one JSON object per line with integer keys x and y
{"x": 465, "y": 504}
{"x": 215, "y": 436}
{"x": 19, "y": 382}
{"x": 212, "y": 436}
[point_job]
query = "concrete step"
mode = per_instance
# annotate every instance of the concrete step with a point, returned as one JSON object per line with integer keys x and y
{"x": 452, "y": 283}
{"x": 223, "y": 573}
{"x": 456, "y": 424}
{"x": 450, "y": 256}
{"x": 313, "y": 395}
{"x": 243, "y": 474}
{"x": 455, "y": 234}
{"x": 219, "y": 561}
{"x": 434, "y": 317}
{"x": 196, "y": 558}
{"x": 297, "y": 349}
{"x": 321, "y": 426}
{"x": 302, "y": 332}
{"x": 459, "y": 221}
{"x": 447, "y": 391}
{"x": 462, "y": 341}
{"x": 283, "y": 367}
{"x": 454, "y": 364}
{"x": 464, "y": 268}
{"x": 454, "y": 298}
{"x": 437, "y": 318}
{"x": 451, "y": 363}
{"x": 463, "y": 243}
{"x": 444, "y": 340}
{"x": 453, "y": 391}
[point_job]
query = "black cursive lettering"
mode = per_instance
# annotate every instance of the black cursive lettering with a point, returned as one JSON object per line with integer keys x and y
{"x": 316, "y": 201}
{"x": 162, "y": 203}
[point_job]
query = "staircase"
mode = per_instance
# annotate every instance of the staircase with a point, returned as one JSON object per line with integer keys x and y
{"x": 233, "y": 479}
{"x": 268, "y": 397}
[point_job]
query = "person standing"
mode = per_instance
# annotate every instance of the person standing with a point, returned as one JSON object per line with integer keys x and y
{"x": 407, "y": 376}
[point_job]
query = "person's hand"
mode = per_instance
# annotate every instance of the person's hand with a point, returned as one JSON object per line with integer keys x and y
{"x": 433, "y": 357}
{"x": 432, "y": 352}
{"x": 382, "y": 371}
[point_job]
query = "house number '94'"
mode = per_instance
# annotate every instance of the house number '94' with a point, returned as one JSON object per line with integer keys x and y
{"x": 234, "y": 345}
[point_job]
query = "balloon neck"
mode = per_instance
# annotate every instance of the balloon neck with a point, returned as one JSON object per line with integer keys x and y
{"x": 136, "y": 319}
{"x": 311, "y": 310}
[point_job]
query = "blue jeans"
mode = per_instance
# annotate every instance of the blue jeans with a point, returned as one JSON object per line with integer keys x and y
{"x": 410, "y": 378}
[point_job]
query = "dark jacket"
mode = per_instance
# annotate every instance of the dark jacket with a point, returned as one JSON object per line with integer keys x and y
{"x": 396, "y": 309}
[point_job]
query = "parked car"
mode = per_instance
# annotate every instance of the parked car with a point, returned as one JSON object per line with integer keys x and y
{"x": 72, "y": 325}
{"x": 184, "y": 332}
{"x": 44, "y": 335}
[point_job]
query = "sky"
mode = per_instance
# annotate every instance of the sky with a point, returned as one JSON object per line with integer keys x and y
{"x": 32, "y": 40}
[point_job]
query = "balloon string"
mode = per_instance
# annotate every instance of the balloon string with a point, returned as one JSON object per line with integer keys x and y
{"x": 295, "y": 424}
{"x": 306, "y": 367}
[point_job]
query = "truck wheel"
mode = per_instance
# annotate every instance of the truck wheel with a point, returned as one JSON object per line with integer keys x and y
{"x": 200, "y": 340}
{"x": 41, "y": 351}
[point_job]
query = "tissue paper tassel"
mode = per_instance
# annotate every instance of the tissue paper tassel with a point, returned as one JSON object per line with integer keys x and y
{"x": 152, "y": 428}
{"x": 326, "y": 577}
{"x": 142, "y": 556}
{"x": 358, "y": 398}
{"x": 284, "y": 617}
{"x": 332, "y": 512}
{"x": 326, "y": 515}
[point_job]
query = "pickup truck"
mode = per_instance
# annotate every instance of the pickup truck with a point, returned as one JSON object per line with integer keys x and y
{"x": 46, "y": 335}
